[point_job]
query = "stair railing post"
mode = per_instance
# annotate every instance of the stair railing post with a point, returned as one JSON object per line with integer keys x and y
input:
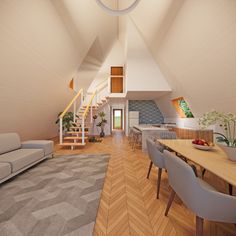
{"x": 82, "y": 97}
{"x": 91, "y": 113}
{"x": 61, "y": 130}
{"x": 83, "y": 130}
{"x": 74, "y": 109}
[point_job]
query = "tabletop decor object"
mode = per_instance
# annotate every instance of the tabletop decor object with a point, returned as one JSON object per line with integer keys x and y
{"x": 227, "y": 139}
{"x": 202, "y": 144}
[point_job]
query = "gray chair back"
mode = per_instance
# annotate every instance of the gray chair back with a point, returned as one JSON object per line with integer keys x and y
{"x": 155, "y": 154}
{"x": 196, "y": 194}
{"x": 168, "y": 135}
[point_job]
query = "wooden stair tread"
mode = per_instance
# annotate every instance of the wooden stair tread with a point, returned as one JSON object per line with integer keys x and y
{"x": 72, "y": 144}
{"x": 90, "y": 106}
{"x": 76, "y": 132}
{"x": 78, "y": 127}
{"x": 74, "y": 138}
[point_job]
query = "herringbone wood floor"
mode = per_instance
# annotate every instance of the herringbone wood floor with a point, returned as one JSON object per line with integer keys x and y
{"x": 128, "y": 205}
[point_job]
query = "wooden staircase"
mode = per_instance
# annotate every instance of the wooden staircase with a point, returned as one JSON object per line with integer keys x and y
{"x": 79, "y": 132}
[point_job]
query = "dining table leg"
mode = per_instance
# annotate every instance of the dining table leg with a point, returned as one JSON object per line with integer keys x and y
{"x": 230, "y": 189}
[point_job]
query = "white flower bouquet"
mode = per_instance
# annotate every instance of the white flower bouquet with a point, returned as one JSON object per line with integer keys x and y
{"x": 226, "y": 121}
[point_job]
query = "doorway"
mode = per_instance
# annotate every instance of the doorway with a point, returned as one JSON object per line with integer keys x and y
{"x": 117, "y": 119}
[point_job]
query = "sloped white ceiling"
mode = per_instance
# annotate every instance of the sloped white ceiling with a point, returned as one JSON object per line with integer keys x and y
{"x": 197, "y": 55}
{"x": 46, "y": 43}
{"x": 93, "y": 32}
{"x": 142, "y": 73}
{"x": 43, "y": 44}
{"x": 193, "y": 42}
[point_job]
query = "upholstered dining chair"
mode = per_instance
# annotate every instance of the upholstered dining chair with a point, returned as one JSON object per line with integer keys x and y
{"x": 156, "y": 157}
{"x": 201, "y": 198}
{"x": 130, "y": 136}
{"x": 137, "y": 138}
{"x": 168, "y": 135}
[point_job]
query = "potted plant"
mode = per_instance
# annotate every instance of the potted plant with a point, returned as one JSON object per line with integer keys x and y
{"x": 102, "y": 123}
{"x": 227, "y": 122}
{"x": 67, "y": 120}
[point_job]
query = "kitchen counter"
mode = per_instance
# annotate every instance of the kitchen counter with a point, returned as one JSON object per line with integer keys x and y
{"x": 147, "y": 131}
{"x": 149, "y": 127}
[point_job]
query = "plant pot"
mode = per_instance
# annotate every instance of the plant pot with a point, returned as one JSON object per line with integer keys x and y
{"x": 102, "y": 134}
{"x": 229, "y": 151}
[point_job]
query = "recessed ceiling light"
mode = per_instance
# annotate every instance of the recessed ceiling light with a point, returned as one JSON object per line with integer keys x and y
{"x": 117, "y": 12}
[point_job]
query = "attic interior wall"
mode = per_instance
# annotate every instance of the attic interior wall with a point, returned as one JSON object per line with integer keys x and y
{"x": 43, "y": 44}
{"x": 93, "y": 31}
{"x": 197, "y": 56}
{"x": 37, "y": 61}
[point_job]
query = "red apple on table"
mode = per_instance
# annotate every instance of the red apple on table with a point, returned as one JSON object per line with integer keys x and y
{"x": 201, "y": 142}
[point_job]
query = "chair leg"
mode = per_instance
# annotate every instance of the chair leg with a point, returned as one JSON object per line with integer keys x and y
{"x": 149, "y": 170}
{"x": 230, "y": 189}
{"x": 203, "y": 173}
{"x": 199, "y": 226}
{"x": 133, "y": 144}
{"x": 159, "y": 181}
{"x": 171, "y": 199}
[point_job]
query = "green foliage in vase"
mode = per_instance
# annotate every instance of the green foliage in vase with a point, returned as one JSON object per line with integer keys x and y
{"x": 226, "y": 121}
{"x": 103, "y": 121}
{"x": 67, "y": 120}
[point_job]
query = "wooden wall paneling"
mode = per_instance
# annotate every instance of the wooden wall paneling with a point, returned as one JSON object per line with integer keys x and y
{"x": 184, "y": 133}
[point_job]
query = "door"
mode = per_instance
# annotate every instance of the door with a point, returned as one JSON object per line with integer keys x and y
{"x": 117, "y": 119}
{"x": 117, "y": 79}
{"x": 116, "y": 84}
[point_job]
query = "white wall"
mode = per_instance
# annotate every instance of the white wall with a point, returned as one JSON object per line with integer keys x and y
{"x": 93, "y": 32}
{"x": 115, "y": 58}
{"x": 193, "y": 43}
{"x": 142, "y": 72}
{"x": 197, "y": 56}
{"x": 37, "y": 61}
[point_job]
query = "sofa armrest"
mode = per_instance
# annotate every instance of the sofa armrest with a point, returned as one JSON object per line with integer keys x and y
{"x": 46, "y": 145}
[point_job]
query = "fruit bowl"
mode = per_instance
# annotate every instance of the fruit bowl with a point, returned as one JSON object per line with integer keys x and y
{"x": 201, "y": 147}
{"x": 202, "y": 144}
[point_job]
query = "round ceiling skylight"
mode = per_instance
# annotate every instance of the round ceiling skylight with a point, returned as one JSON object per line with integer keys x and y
{"x": 117, "y": 12}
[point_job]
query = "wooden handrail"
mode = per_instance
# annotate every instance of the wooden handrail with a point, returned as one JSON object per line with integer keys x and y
{"x": 70, "y": 104}
{"x": 89, "y": 104}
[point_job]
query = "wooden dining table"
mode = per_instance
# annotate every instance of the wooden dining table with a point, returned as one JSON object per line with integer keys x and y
{"x": 214, "y": 160}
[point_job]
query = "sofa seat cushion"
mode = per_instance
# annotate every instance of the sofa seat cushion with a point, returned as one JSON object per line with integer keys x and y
{"x": 5, "y": 170}
{"x": 9, "y": 142}
{"x": 46, "y": 145}
{"x": 21, "y": 158}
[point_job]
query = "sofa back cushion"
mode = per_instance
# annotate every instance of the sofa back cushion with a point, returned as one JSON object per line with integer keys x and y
{"x": 9, "y": 142}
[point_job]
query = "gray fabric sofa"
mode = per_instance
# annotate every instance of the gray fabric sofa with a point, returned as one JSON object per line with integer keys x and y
{"x": 16, "y": 157}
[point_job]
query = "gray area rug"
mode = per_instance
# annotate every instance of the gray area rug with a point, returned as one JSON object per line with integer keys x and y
{"x": 59, "y": 196}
